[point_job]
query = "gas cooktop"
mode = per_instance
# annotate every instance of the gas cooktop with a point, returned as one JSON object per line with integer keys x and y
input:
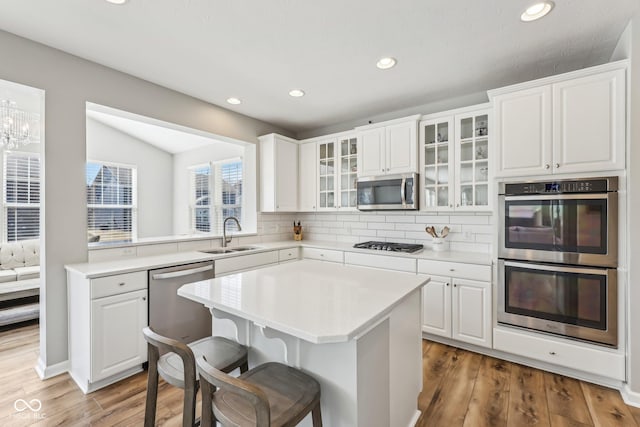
{"x": 390, "y": 246}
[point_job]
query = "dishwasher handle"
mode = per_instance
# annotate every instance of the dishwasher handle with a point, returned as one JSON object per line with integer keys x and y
{"x": 181, "y": 273}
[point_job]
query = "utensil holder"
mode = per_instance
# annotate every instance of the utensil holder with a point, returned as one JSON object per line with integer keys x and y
{"x": 297, "y": 232}
{"x": 438, "y": 244}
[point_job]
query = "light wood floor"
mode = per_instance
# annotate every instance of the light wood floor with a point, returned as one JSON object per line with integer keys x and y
{"x": 460, "y": 389}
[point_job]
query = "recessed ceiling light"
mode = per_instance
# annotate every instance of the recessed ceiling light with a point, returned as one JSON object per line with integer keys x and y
{"x": 296, "y": 93}
{"x": 386, "y": 63}
{"x": 117, "y": 1}
{"x": 536, "y": 11}
{"x": 234, "y": 101}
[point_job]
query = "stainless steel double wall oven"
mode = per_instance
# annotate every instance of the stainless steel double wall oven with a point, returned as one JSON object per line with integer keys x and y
{"x": 558, "y": 257}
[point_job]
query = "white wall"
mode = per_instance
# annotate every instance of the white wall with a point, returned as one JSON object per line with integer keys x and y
{"x": 154, "y": 174}
{"x": 69, "y": 83}
{"x": 182, "y": 161}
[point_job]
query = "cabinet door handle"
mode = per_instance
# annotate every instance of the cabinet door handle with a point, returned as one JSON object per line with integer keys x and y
{"x": 557, "y": 165}
{"x": 450, "y": 206}
{"x": 382, "y": 170}
{"x": 546, "y": 166}
{"x": 121, "y": 284}
{"x": 144, "y": 298}
{"x": 553, "y": 353}
{"x": 387, "y": 169}
{"x": 452, "y": 269}
{"x": 455, "y": 286}
{"x": 447, "y": 284}
{"x": 457, "y": 205}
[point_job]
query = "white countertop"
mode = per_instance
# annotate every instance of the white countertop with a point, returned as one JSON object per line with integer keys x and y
{"x": 311, "y": 300}
{"x": 127, "y": 265}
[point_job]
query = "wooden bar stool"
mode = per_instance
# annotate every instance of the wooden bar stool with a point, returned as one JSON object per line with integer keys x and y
{"x": 269, "y": 395}
{"x": 178, "y": 368}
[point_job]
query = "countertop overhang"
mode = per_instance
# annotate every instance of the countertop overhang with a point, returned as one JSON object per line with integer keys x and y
{"x": 312, "y": 300}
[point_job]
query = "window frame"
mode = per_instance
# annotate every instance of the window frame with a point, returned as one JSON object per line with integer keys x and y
{"x": 17, "y": 205}
{"x": 134, "y": 194}
{"x": 215, "y": 193}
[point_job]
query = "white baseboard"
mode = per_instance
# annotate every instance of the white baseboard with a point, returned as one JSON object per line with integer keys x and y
{"x": 414, "y": 419}
{"x": 630, "y": 397}
{"x": 46, "y": 372}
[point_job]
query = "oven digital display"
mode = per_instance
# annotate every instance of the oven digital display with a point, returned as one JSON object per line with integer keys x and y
{"x": 552, "y": 187}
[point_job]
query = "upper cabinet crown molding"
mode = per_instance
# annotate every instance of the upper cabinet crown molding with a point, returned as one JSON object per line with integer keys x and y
{"x": 414, "y": 117}
{"x": 572, "y": 123}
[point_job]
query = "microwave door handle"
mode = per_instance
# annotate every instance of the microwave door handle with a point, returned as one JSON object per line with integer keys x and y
{"x": 403, "y": 194}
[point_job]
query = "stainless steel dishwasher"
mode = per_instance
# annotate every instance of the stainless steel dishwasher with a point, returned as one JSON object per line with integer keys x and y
{"x": 170, "y": 314}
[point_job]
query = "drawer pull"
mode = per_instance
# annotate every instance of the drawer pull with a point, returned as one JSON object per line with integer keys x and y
{"x": 452, "y": 269}
{"x": 553, "y": 353}
{"x": 447, "y": 284}
{"x": 455, "y": 286}
{"x": 144, "y": 298}
{"x": 121, "y": 284}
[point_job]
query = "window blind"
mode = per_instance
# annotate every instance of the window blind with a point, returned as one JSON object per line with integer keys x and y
{"x": 21, "y": 196}
{"x": 111, "y": 202}
{"x": 216, "y": 193}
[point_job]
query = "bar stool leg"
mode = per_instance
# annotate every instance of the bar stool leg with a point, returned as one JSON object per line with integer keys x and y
{"x": 152, "y": 388}
{"x": 316, "y": 416}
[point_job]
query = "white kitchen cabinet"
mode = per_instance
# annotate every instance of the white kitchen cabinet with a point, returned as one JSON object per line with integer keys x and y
{"x": 307, "y": 185}
{"x": 234, "y": 264}
{"x": 321, "y": 254}
{"x": 116, "y": 333}
{"x": 337, "y": 168}
{"x": 572, "y": 123}
{"x": 454, "y": 161}
{"x": 106, "y": 317}
{"x": 388, "y": 148}
{"x": 456, "y": 307}
{"x": 278, "y": 174}
{"x": 381, "y": 261}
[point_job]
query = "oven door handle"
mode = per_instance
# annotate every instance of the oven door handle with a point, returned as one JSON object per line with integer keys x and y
{"x": 558, "y": 268}
{"x": 580, "y": 196}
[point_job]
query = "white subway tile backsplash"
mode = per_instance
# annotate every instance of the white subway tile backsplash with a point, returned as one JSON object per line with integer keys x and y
{"x": 381, "y": 226}
{"x": 400, "y": 218}
{"x": 468, "y": 231}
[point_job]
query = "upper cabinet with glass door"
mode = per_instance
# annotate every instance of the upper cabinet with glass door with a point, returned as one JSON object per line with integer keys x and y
{"x": 472, "y": 161}
{"x": 454, "y": 161}
{"x": 436, "y": 157}
{"x": 348, "y": 175}
{"x": 337, "y": 173}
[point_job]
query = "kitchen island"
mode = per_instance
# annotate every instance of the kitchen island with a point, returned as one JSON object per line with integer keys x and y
{"x": 356, "y": 330}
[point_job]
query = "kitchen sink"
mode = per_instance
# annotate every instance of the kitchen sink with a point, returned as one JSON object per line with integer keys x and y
{"x": 228, "y": 250}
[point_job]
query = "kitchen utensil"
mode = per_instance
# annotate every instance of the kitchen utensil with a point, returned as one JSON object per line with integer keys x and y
{"x": 445, "y": 231}
{"x": 431, "y": 231}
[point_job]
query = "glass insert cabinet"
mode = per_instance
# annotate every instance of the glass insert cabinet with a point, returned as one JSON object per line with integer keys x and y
{"x": 337, "y": 173}
{"x": 454, "y": 159}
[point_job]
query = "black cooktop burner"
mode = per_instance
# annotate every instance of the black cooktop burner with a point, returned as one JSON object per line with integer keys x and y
{"x": 389, "y": 246}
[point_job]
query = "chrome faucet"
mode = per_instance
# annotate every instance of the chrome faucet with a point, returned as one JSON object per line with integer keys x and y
{"x": 224, "y": 230}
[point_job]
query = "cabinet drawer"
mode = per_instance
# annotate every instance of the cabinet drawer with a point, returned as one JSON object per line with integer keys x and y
{"x": 323, "y": 254}
{"x": 244, "y": 262}
{"x": 288, "y": 254}
{"x": 607, "y": 363}
{"x": 455, "y": 269}
{"x": 118, "y": 284}
{"x": 381, "y": 261}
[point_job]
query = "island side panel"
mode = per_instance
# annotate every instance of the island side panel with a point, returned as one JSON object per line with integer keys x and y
{"x": 405, "y": 351}
{"x": 373, "y": 377}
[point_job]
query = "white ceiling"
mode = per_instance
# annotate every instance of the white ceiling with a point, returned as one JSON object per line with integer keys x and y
{"x": 259, "y": 50}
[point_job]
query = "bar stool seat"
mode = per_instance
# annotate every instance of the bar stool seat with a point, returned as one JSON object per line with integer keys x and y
{"x": 271, "y": 394}
{"x": 178, "y": 368}
{"x": 227, "y": 355}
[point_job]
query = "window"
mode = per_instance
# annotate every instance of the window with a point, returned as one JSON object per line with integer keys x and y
{"x": 21, "y": 196}
{"x": 111, "y": 202}
{"x": 216, "y": 193}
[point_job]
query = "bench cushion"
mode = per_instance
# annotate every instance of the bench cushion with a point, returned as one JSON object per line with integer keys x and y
{"x": 24, "y": 273}
{"x": 8, "y": 276}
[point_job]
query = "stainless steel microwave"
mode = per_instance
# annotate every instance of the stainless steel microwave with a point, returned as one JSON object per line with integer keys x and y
{"x": 388, "y": 192}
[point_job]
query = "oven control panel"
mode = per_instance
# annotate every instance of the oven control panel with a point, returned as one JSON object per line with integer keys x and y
{"x": 596, "y": 185}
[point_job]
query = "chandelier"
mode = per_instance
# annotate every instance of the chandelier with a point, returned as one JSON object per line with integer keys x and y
{"x": 18, "y": 127}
